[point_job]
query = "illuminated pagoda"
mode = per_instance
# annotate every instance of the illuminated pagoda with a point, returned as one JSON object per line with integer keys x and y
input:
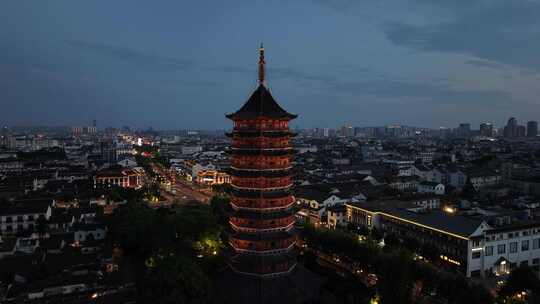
{"x": 262, "y": 220}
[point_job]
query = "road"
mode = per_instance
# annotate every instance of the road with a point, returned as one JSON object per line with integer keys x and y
{"x": 181, "y": 191}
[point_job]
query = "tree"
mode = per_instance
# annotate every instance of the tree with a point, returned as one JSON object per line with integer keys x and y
{"x": 395, "y": 279}
{"x": 41, "y": 226}
{"x": 175, "y": 279}
{"x": 521, "y": 279}
{"x": 468, "y": 189}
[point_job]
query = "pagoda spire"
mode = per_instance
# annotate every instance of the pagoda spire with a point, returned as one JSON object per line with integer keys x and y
{"x": 262, "y": 64}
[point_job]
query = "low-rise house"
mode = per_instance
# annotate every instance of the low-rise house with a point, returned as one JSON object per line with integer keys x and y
{"x": 404, "y": 183}
{"x": 213, "y": 177}
{"x": 11, "y": 164}
{"x": 27, "y": 245}
{"x": 126, "y": 178}
{"x": 23, "y": 215}
{"x": 420, "y": 170}
{"x": 457, "y": 178}
{"x": 315, "y": 203}
{"x": 336, "y": 216}
{"x": 127, "y": 162}
{"x": 431, "y": 187}
{"x": 438, "y": 175}
{"x": 483, "y": 178}
{"x": 88, "y": 231}
{"x": 7, "y": 246}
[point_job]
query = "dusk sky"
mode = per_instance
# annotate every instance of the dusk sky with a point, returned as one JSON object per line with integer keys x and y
{"x": 184, "y": 64}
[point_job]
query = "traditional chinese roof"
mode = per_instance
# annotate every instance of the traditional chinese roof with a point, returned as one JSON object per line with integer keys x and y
{"x": 261, "y": 104}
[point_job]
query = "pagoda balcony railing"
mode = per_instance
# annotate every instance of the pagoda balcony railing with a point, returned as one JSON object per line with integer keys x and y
{"x": 261, "y": 143}
{"x": 247, "y": 183}
{"x": 263, "y": 188}
{"x": 265, "y": 251}
{"x": 259, "y": 125}
{"x": 262, "y": 223}
{"x": 272, "y": 229}
{"x": 262, "y": 209}
{"x": 263, "y": 205}
{"x": 261, "y": 162}
{"x": 262, "y": 168}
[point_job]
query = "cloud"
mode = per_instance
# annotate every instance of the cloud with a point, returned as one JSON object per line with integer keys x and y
{"x": 435, "y": 93}
{"x": 506, "y": 32}
{"x": 134, "y": 56}
{"x": 486, "y": 64}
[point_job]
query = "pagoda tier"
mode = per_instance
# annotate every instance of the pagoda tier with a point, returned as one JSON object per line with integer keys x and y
{"x": 256, "y": 243}
{"x": 263, "y": 237}
{"x": 259, "y": 133}
{"x": 261, "y": 162}
{"x": 261, "y": 142}
{"x": 275, "y": 222}
{"x": 262, "y": 203}
{"x": 260, "y": 193}
{"x": 255, "y": 183}
{"x": 261, "y": 152}
{"x": 258, "y": 173}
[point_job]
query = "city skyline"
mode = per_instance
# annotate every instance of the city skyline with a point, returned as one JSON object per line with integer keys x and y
{"x": 428, "y": 65}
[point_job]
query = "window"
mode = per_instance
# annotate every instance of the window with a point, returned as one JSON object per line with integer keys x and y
{"x": 525, "y": 245}
{"x": 513, "y": 247}
{"x": 501, "y": 249}
{"x": 536, "y": 243}
{"x": 536, "y": 261}
{"x": 489, "y": 250}
{"x": 476, "y": 254}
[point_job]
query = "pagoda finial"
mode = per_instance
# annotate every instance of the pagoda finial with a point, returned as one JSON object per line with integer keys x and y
{"x": 261, "y": 65}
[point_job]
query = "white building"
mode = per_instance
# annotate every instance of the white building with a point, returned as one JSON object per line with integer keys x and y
{"x": 23, "y": 216}
{"x": 499, "y": 250}
{"x": 337, "y": 216}
{"x": 431, "y": 187}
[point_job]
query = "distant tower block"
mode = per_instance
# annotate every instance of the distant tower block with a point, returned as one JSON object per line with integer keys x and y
{"x": 263, "y": 235}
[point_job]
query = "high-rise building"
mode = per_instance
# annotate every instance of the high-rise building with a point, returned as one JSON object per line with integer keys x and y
{"x": 532, "y": 128}
{"x": 486, "y": 129}
{"x": 464, "y": 130}
{"x": 263, "y": 235}
{"x": 511, "y": 128}
{"x": 521, "y": 131}
{"x": 347, "y": 130}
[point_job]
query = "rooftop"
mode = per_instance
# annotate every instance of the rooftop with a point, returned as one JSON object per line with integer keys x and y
{"x": 261, "y": 104}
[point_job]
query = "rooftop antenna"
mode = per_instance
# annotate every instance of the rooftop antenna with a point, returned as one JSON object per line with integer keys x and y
{"x": 261, "y": 65}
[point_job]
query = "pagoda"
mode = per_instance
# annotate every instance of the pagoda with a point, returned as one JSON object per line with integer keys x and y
{"x": 262, "y": 222}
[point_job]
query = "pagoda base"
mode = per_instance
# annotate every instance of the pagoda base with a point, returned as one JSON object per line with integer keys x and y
{"x": 264, "y": 266}
{"x": 299, "y": 286}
